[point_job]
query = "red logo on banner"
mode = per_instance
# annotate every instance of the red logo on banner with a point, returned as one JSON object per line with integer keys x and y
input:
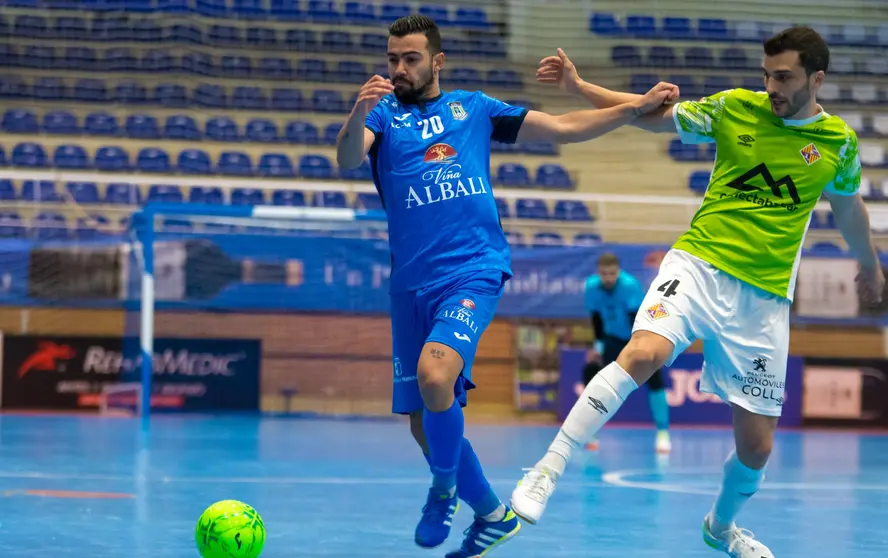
{"x": 46, "y": 357}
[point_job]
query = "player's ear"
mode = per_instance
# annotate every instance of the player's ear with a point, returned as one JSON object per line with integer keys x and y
{"x": 438, "y": 61}
{"x": 819, "y": 76}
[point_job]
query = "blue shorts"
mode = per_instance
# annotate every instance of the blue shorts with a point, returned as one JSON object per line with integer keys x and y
{"x": 454, "y": 313}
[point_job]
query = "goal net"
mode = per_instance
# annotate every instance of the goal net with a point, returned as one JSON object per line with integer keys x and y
{"x": 271, "y": 308}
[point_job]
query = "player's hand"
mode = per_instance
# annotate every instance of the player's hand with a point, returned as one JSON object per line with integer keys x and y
{"x": 371, "y": 93}
{"x": 659, "y": 95}
{"x": 870, "y": 283}
{"x": 560, "y": 71}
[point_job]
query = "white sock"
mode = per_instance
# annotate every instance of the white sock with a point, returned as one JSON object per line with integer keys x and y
{"x": 739, "y": 484}
{"x": 600, "y": 400}
{"x": 496, "y": 515}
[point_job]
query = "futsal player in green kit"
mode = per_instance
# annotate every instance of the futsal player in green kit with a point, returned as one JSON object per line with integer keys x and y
{"x": 729, "y": 280}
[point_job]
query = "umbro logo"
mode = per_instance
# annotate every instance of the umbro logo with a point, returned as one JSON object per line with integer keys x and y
{"x": 597, "y": 405}
{"x": 745, "y": 140}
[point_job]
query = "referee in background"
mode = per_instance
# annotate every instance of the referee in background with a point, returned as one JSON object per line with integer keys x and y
{"x": 612, "y": 300}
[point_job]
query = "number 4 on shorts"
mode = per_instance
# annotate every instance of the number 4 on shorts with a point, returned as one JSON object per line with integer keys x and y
{"x": 668, "y": 288}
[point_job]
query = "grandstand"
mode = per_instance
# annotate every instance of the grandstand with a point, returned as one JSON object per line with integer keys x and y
{"x": 110, "y": 103}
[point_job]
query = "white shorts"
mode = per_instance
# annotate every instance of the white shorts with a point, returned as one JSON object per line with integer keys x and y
{"x": 745, "y": 330}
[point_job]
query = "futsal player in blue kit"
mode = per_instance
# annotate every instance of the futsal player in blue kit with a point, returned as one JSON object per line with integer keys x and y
{"x": 613, "y": 297}
{"x": 430, "y": 158}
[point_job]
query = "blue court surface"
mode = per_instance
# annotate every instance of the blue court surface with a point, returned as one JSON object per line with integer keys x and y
{"x": 94, "y": 487}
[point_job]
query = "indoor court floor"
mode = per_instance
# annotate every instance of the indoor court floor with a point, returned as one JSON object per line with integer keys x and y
{"x": 96, "y": 487}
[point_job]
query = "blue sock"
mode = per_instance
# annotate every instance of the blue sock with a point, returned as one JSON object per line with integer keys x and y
{"x": 659, "y": 408}
{"x": 472, "y": 485}
{"x": 444, "y": 434}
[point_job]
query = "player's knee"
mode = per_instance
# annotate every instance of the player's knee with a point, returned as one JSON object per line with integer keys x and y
{"x": 642, "y": 357}
{"x": 754, "y": 453}
{"x": 436, "y": 386}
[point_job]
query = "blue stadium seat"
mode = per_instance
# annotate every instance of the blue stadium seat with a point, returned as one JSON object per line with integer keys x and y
{"x": 699, "y": 57}
{"x": 50, "y": 226}
{"x": 440, "y": 14}
{"x": 111, "y": 28}
{"x": 90, "y": 90}
{"x": 234, "y": 163}
{"x": 331, "y": 131}
{"x": 164, "y": 193}
{"x": 677, "y": 28}
{"x": 222, "y": 128}
{"x": 494, "y": 47}
{"x": 539, "y": 148}
{"x": 120, "y": 60}
{"x": 825, "y": 247}
{"x": 211, "y": 8}
{"x": 28, "y": 154}
{"x": 181, "y": 126}
{"x": 20, "y": 121}
{"x": 502, "y": 208}
{"x": 553, "y": 176}
{"x": 8, "y": 55}
{"x": 287, "y": 9}
{"x": 40, "y": 191}
{"x": 71, "y": 29}
{"x": 7, "y": 190}
{"x": 734, "y": 58}
{"x": 568, "y": 210}
{"x": 247, "y": 196}
{"x": 626, "y": 56}
{"x": 513, "y": 174}
{"x": 515, "y": 239}
{"x": 249, "y": 9}
{"x": 112, "y": 158}
{"x": 251, "y": 98}
{"x": 170, "y": 95}
{"x": 276, "y": 165}
{"x": 315, "y": 166}
{"x": 152, "y": 159}
{"x": 79, "y": 58}
{"x": 212, "y": 96}
{"x": 687, "y": 85}
{"x": 142, "y": 126}
{"x": 471, "y": 18}
{"x": 310, "y": 69}
{"x": 713, "y": 29}
{"x": 351, "y": 72}
{"x": 360, "y": 13}
{"x": 368, "y": 201}
{"x": 40, "y": 57}
{"x": 329, "y": 199}
{"x": 132, "y": 93}
{"x": 70, "y": 157}
{"x": 198, "y": 63}
{"x": 642, "y": 83}
{"x": 328, "y": 101}
{"x": 13, "y": 87}
{"x": 11, "y": 225}
{"x": 716, "y": 84}
{"x": 49, "y": 88}
{"x": 527, "y": 208}
{"x": 546, "y": 239}
{"x": 360, "y": 174}
{"x": 662, "y": 57}
{"x": 507, "y": 79}
{"x": 207, "y": 195}
{"x": 293, "y": 198}
{"x": 194, "y": 161}
{"x": 323, "y": 11}
{"x": 587, "y": 239}
{"x": 641, "y": 26}
{"x": 276, "y": 68}
{"x": 605, "y": 24}
{"x": 303, "y": 40}
{"x": 186, "y": 33}
{"x": 262, "y": 37}
{"x": 466, "y": 77}
{"x": 146, "y": 30}
{"x": 236, "y": 66}
{"x": 287, "y": 100}
{"x": 2, "y": 156}
{"x": 122, "y": 194}
{"x": 83, "y": 192}
{"x": 684, "y": 152}
{"x": 87, "y": 227}
{"x": 30, "y": 26}
{"x": 262, "y": 130}
{"x": 699, "y": 182}
{"x": 373, "y": 42}
{"x": 157, "y": 60}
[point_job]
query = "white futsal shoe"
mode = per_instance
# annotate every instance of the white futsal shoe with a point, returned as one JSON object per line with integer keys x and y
{"x": 735, "y": 542}
{"x": 530, "y": 497}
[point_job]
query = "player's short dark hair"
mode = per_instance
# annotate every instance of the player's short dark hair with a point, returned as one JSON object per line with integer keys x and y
{"x": 413, "y": 24}
{"x": 608, "y": 259}
{"x": 813, "y": 50}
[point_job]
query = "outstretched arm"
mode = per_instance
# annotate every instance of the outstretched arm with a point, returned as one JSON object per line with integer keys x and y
{"x": 584, "y": 125}
{"x": 852, "y": 220}
{"x": 561, "y": 71}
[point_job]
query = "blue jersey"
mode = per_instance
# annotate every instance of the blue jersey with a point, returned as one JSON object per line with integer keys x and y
{"x": 431, "y": 166}
{"x": 615, "y": 306}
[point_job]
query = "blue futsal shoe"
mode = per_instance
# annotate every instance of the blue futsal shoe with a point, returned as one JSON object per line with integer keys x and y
{"x": 437, "y": 518}
{"x": 483, "y": 536}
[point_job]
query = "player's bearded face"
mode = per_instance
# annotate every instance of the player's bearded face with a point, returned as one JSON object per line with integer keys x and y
{"x": 608, "y": 275}
{"x": 413, "y": 84}
{"x": 784, "y": 105}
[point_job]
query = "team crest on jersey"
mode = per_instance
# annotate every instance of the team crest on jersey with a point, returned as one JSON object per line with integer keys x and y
{"x": 439, "y": 153}
{"x": 456, "y": 108}
{"x": 467, "y": 303}
{"x": 810, "y": 154}
{"x": 657, "y": 311}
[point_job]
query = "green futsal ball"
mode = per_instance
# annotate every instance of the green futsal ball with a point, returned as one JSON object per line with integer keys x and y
{"x": 230, "y": 529}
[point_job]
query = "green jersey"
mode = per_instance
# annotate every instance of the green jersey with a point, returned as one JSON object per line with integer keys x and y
{"x": 769, "y": 174}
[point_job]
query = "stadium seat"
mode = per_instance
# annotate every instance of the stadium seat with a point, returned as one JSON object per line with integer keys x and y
{"x": 40, "y": 191}
{"x": 152, "y": 159}
{"x": 7, "y": 190}
{"x": 626, "y": 56}
{"x": 571, "y": 211}
{"x": 545, "y": 239}
{"x": 164, "y": 194}
{"x": 553, "y": 176}
{"x": 513, "y": 175}
{"x": 234, "y": 163}
{"x": 262, "y": 37}
{"x": 641, "y": 26}
{"x": 329, "y": 199}
{"x": 50, "y": 226}
{"x": 83, "y": 192}
{"x": 677, "y": 28}
{"x": 28, "y": 154}
{"x": 111, "y": 158}
{"x": 194, "y": 161}
{"x": 20, "y": 121}
{"x": 180, "y": 126}
{"x": 276, "y": 165}
{"x": 699, "y": 182}
{"x": 60, "y": 122}
{"x": 587, "y": 239}
{"x": 293, "y": 198}
{"x": 247, "y": 196}
{"x": 315, "y": 166}
{"x": 713, "y": 29}
{"x": 142, "y": 126}
{"x": 11, "y": 225}
{"x": 531, "y": 209}
{"x": 516, "y": 239}
{"x": 605, "y": 24}
{"x": 360, "y": 174}
{"x": 302, "y": 132}
{"x": 222, "y": 128}
{"x": 261, "y": 130}
{"x": 70, "y": 157}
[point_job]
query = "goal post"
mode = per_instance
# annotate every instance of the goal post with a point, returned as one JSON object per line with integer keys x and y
{"x": 157, "y": 226}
